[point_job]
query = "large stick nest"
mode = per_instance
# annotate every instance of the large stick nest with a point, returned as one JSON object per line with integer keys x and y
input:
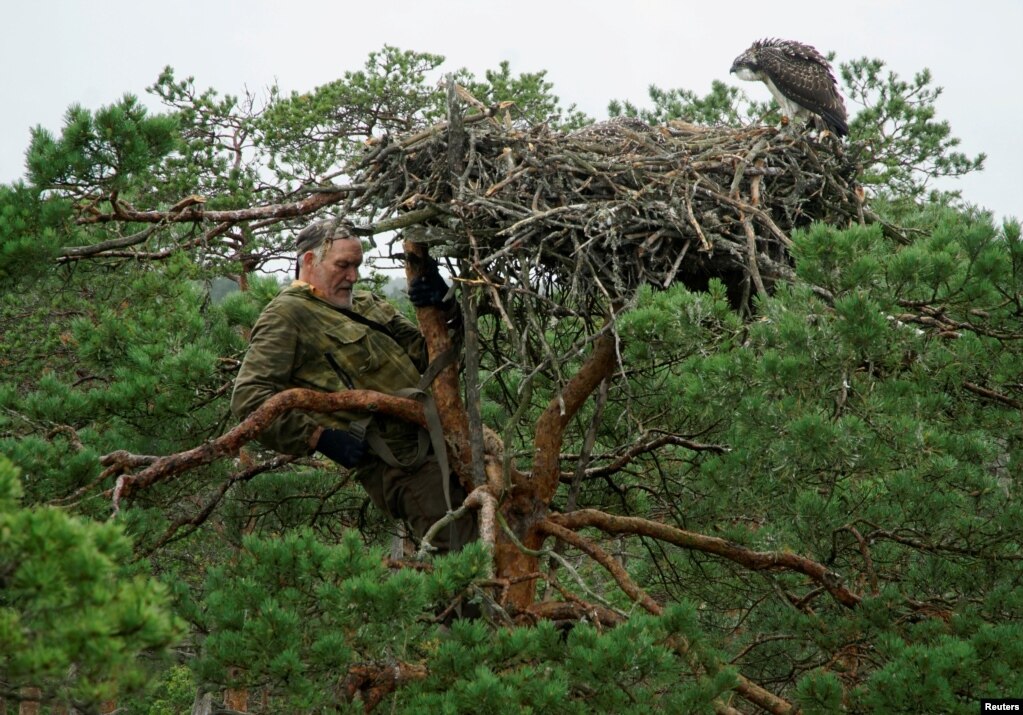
{"x": 602, "y": 210}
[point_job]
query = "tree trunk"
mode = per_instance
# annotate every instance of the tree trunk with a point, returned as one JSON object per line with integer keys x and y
{"x": 30, "y": 705}
{"x": 237, "y": 700}
{"x": 530, "y": 496}
{"x": 446, "y": 389}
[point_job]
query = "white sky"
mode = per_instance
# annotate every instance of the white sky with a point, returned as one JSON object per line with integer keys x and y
{"x": 58, "y": 52}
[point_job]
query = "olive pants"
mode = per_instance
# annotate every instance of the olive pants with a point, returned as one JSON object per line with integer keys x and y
{"x": 417, "y": 497}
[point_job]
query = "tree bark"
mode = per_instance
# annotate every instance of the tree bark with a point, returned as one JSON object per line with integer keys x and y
{"x": 237, "y": 700}
{"x": 30, "y": 705}
{"x": 527, "y": 508}
{"x": 446, "y": 389}
{"x": 229, "y": 444}
{"x": 753, "y": 560}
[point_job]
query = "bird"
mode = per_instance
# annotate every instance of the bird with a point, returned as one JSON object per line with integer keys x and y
{"x": 800, "y": 79}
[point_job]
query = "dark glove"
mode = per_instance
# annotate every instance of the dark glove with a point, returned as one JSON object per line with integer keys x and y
{"x": 428, "y": 290}
{"x": 343, "y": 447}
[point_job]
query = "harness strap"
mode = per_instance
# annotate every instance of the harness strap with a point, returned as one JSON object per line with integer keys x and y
{"x": 366, "y": 429}
{"x": 440, "y": 448}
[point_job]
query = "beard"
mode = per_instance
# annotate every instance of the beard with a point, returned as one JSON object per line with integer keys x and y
{"x": 342, "y": 297}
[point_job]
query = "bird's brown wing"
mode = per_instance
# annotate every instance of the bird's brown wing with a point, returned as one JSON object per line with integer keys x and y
{"x": 804, "y": 76}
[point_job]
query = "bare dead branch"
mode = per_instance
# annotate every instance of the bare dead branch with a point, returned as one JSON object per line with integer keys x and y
{"x": 372, "y": 682}
{"x": 625, "y": 582}
{"x": 124, "y": 242}
{"x": 868, "y": 562}
{"x": 574, "y": 610}
{"x": 204, "y": 513}
{"x": 992, "y": 395}
{"x": 641, "y": 447}
{"x": 197, "y": 212}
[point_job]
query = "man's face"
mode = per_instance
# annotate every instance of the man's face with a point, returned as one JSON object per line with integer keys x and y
{"x": 334, "y": 276}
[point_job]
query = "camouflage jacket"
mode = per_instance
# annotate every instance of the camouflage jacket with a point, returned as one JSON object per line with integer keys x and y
{"x": 301, "y": 340}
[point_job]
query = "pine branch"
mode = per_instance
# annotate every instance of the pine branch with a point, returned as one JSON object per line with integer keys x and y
{"x": 230, "y": 443}
{"x": 550, "y": 427}
{"x": 641, "y": 447}
{"x": 171, "y": 533}
{"x": 755, "y": 560}
{"x": 745, "y": 687}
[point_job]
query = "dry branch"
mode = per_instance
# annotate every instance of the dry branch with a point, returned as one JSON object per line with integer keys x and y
{"x": 194, "y": 521}
{"x": 618, "y": 204}
{"x": 124, "y": 213}
{"x": 372, "y": 682}
{"x": 643, "y": 445}
{"x": 625, "y": 582}
{"x": 574, "y": 611}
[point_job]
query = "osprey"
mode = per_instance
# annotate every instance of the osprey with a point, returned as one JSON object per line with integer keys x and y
{"x": 800, "y": 79}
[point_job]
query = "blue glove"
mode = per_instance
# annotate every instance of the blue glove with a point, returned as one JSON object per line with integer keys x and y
{"x": 343, "y": 447}
{"x": 428, "y": 290}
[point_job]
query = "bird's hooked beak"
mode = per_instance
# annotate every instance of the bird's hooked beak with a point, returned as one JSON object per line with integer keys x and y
{"x": 743, "y": 72}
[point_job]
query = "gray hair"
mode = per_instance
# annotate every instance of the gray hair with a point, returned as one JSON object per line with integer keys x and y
{"x": 319, "y": 235}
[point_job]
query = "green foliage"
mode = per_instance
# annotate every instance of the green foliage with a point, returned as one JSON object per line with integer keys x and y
{"x": 73, "y": 620}
{"x": 291, "y": 614}
{"x": 723, "y": 105}
{"x": 307, "y": 133}
{"x": 531, "y": 93}
{"x": 631, "y": 669}
{"x": 173, "y": 694}
{"x": 855, "y": 419}
{"x": 101, "y": 153}
{"x": 214, "y": 155}
{"x": 866, "y": 418}
{"x": 819, "y": 693}
{"x": 294, "y": 611}
{"x": 901, "y": 144}
{"x": 29, "y": 230}
{"x": 93, "y": 365}
{"x": 951, "y": 672}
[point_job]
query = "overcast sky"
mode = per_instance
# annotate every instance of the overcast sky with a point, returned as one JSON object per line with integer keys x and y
{"x": 58, "y": 52}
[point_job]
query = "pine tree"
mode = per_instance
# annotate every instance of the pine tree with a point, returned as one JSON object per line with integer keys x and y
{"x": 75, "y": 617}
{"x": 815, "y": 506}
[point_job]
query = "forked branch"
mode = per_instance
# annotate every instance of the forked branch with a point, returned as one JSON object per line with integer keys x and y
{"x": 550, "y": 428}
{"x": 755, "y": 560}
{"x": 744, "y": 686}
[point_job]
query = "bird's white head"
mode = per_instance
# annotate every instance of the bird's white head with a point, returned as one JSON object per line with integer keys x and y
{"x": 746, "y": 66}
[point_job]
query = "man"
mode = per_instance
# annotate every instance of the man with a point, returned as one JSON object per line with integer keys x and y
{"x": 322, "y": 334}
